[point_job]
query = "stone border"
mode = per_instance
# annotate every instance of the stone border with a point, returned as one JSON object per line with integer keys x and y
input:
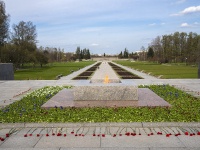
{"x": 111, "y": 124}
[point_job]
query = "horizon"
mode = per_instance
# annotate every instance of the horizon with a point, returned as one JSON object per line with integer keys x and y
{"x": 104, "y": 26}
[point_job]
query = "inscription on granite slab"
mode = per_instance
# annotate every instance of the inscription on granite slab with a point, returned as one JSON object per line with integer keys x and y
{"x": 117, "y": 93}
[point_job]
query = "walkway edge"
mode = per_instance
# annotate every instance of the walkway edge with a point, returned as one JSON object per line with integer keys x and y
{"x": 111, "y": 124}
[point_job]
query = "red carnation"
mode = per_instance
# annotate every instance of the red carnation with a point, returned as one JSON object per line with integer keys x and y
{"x": 25, "y": 135}
{"x": 114, "y": 135}
{"x": 7, "y": 135}
{"x": 198, "y": 133}
{"x": 47, "y": 134}
{"x": 65, "y": 135}
{"x": 186, "y": 133}
{"x": 94, "y": 134}
{"x": 103, "y": 135}
{"x": 38, "y": 135}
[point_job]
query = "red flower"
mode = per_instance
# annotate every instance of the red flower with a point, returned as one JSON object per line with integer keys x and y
{"x": 65, "y": 135}
{"x": 59, "y": 134}
{"x": 148, "y": 134}
{"x": 47, "y": 134}
{"x": 167, "y": 135}
{"x": 120, "y": 134}
{"x": 38, "y": 135}
{"x": 72, "y": 132}
{"x": 25, "y": 135}
{"x": 2, "y": 139}
{"x": 94, "y": 134}
{"x": 76, "y": 134}
{"x": 80, "y": 135}
{"x": 151, "y": 133}
{"x": 7, "y": 135}
{"x": 191, "y": 134}
{"x": 198, "y": 133}
{"x": 127, "y": 134}
{"x": 30, "y": 134}
{"x": 140, "y": 134}
{"x": 103, "y": 135}
{"x": 186, "y": 133}
{"x": 53, "y": 134}
{"x": 114, "y": 135}
{"x": 83, "y": 135}
{"x": 99, "y": 134}
{"x": 133, "y": 134}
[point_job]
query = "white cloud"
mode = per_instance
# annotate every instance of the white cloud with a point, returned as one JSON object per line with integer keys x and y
{"x": 94, "y": 44}
{"x": 152, "y": 24}
{"x": 185, "y": 25}
{"x": 189, "y": 10}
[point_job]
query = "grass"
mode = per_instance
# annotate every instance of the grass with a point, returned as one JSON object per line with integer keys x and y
{"x": 166, "y": 71}
{"x": 185, "y": 108}
{"x": 49, "y": 72}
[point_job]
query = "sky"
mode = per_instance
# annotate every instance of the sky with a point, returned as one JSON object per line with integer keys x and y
{"x": 104, "y": 26}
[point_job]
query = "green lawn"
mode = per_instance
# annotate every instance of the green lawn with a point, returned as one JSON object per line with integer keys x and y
{"x": 168, "y": 71}
{"x": 185, "y": 108}
{"x": 50, "y": 71}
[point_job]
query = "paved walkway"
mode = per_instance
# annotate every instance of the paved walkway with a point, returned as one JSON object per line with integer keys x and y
{"x": 105, "y": 74}
{"x": 11, "y": 91}
{"x": 105, "y": 136}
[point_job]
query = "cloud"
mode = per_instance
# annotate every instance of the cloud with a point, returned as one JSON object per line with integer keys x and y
{"x": 189, "y": 10}
{"x": 185, "y": 25}
{"x": 152, "y": 24}
{"x": 94, "y": 44}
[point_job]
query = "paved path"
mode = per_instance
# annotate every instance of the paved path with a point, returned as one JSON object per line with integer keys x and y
{"x": 11, "y": 91}
{"x": 105, "y": 74}
{"x": 101, "y": 136}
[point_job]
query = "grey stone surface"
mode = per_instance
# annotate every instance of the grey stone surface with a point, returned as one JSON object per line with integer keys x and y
{"x": 64, "y": 98}
{"x": 190, "y": 141}
{"x": 16, "y": 148}
{"x": 6, "y": 71}
{"x": 69, "y": 141}
{"x": 20, "y": 142}
{"x": 105, "y": 93}
{"x": 141, "y": 141}
{"x": 124, "y": 148}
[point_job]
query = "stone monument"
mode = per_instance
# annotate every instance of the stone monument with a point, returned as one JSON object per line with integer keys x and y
{"x": 6, "y": 71}
{"x": 106, "y": 96}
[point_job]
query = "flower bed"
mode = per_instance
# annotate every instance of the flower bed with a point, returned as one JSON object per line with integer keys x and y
{"x": 185, "y": 108}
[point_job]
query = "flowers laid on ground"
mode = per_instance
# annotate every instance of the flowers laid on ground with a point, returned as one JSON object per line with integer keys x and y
{"x": 185, "y": 108}
{"x": 105, "y": 131}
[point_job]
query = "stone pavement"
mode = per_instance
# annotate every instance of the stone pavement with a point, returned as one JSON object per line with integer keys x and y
{"x": 105, "y": 71}
{"x": 11, "y": 91}
{"x": 101, "y": 136}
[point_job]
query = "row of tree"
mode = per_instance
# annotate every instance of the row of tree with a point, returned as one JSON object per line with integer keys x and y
{"x": 176, "y": 47}
{"x": 19, "y": 45}
{"x": 82, "y": 54}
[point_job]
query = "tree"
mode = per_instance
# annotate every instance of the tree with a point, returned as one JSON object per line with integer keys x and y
{"x": 4, "y": 23}
{"x": 120, "y": 55}
{"x": 78, "y": 53}
{"x": 125, "y": 53}
{"x": 150, "y": 53}
{"x": 24, "y": 35}
{"x": 41, "y": 58}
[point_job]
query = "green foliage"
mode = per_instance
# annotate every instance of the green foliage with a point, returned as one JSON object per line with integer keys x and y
{"x": 185, "y": 108}
{"x": 49, "y": 72}
{"x": 168, "y": 71}
{"x": 150, "y": 53}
